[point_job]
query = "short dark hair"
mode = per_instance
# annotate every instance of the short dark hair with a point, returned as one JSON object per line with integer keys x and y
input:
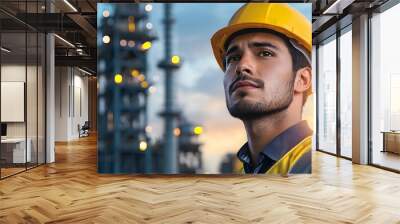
{"x": 298, "y": 59}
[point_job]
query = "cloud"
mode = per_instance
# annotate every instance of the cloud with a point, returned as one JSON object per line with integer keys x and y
{"x": 304, "y": 8}
{"x": 221, "y": 137}
{"x": 210, "y": 82}
{"x": 222, "y": 133}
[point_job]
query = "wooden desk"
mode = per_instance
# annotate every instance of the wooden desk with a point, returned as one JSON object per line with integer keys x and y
{"x": 391, "y": 141}
{"x": 16, "y": 147}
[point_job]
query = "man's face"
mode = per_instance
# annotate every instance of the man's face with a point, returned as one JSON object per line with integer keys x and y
{"x": 258, "y": 77}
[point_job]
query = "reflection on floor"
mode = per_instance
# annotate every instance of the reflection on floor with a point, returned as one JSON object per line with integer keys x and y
{"x": 387, "y": 159}
{"x": 13, "y": 169}
{"x": 71, "y": 191}
{"x": 10, "y": 171}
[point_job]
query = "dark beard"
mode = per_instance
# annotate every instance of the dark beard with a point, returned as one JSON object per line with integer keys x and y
{"x": 250, "y": 111}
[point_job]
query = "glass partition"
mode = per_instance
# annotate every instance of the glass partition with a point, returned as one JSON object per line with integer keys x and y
{"x": 346, "y": 93}
{"x": 13, "y": 109}
{"x": 31, "y": 97}
{"x": 22, "y": 88}
{"x": 385, "y": 89}
{"x": 41, "y": 86}
{"x": 327, "y": 96}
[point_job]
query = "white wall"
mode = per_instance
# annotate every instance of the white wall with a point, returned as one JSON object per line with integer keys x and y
{"x": 61, "y": 103}
{"x": 33, "y": 126}
{"x": 71, "y": 93}
{"x": 16, "y": 73}
{"x": 80, "y": 100}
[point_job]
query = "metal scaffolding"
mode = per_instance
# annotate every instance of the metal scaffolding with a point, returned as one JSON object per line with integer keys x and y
{"x": 123, "y": 42}
{"x": 170, "y": 113}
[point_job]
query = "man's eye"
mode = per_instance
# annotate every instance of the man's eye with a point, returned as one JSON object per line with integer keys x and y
{"x": 265, "y": 54}
{"x": 232, "y": 58}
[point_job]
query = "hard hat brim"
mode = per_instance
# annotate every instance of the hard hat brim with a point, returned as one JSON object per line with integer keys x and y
{"x": 220, "y": 37}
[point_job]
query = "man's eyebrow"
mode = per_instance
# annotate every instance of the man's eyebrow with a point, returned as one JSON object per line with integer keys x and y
{"x": 232, "y": 49}
{"x": 252, "y": 44}
{"x": 263, "y": 44}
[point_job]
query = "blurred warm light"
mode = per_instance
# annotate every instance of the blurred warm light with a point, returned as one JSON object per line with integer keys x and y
{"x": 177, "y": 131}
{"x": 142, "y": 145}
{"x": 144, "y": 84}
{"x": 135, "y": 73}
{"x": 106, "y": 39}
{"x": 146, "y": 45}
{"x": 131, "y": 43}
{"x": 131, "y": 24}
{"x": 148, "y": 8}
{"x": 175, "y": 59}
{"x": 122, "y": 43}
{"x": 198, "y": 130}
{"x": 106, "y": 13}
{"x": 149, "y": 26}
{"x": 118, "y": 78}
{"x": 148, "y": 129}
{"x": 152, "y": 89}
{"x": 141, "y": 77}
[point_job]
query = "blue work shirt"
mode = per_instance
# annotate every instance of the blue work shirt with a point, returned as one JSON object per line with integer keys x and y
{"x": 276, "y": 149}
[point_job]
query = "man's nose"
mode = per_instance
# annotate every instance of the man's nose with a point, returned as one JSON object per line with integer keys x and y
{"x": 245, "y": 65}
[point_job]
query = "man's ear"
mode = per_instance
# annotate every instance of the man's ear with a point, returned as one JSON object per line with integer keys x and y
{"x": 303, "y": 80}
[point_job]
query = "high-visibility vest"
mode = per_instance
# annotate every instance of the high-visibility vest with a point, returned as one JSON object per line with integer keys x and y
{"x": 289, "y": 160}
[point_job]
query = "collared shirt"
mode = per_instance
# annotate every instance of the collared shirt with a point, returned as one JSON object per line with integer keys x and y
{"x": 276, "y": 149}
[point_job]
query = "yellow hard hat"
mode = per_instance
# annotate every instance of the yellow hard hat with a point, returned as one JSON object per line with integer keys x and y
{"x": 279, "y": 17}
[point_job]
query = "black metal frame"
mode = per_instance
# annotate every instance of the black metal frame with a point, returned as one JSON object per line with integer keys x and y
{"x": 0, "y": 92}
{"x": 369, "y": 114}
{"x": 338, "y": 98}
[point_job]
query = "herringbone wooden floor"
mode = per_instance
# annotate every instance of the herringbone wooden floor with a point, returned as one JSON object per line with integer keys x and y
{"x": 70, "y": 191}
